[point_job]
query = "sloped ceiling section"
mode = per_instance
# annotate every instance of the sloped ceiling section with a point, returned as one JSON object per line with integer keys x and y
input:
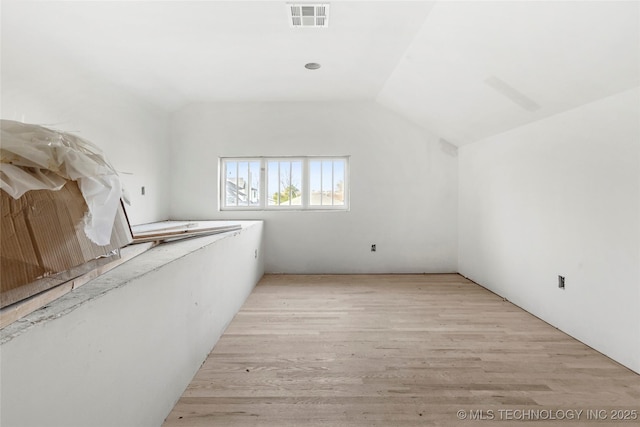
{"x": 476, "y": 69}
{"x": 177, "y": 52}
{"x": 465, "y": 70}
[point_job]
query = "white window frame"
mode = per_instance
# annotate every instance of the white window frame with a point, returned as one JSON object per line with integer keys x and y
{"x": 263, "y": 183}
{"x": 302, "y": 184}
{"x": 223, "y": 184}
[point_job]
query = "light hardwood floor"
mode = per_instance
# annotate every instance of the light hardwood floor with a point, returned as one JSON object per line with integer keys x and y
{"x": 399, "y": 350}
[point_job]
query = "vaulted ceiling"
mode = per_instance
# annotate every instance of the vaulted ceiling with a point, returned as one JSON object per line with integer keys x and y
{"x": 465, "y": 70}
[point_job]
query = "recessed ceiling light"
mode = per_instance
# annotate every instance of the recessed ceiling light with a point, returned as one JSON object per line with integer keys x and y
{"x": 308, "y": 15}
{"x": 312, "y": 66}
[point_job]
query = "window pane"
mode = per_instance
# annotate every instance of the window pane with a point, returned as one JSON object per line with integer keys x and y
{"x": 231, "y": 184}
{"x": 273, "y": 183}
{"x": 295, "y": 187}
{"x": 254, "y": 184}
{"x": 326, "y": 179}
{"x": 242, "y": 183}
{"x": 327, "y": 183}
{"x": 315, "y": 182}
{"x": 285, "y": 183}
{"x": 338, "y": 182}
{"x": 283, "y": 188}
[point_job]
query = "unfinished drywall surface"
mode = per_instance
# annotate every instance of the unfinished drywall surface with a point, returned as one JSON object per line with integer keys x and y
{"x": 561, "y": 197}
{"x": 54, "y": 92}
{"x": 120, "y": 350}
{"x": 403, "y": 184}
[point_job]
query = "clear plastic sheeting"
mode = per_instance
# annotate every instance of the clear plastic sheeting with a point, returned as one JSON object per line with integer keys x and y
{"x": 33, "y": 157}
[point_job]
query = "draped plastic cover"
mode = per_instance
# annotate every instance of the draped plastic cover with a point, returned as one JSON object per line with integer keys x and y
{"x": 33, "y": 157}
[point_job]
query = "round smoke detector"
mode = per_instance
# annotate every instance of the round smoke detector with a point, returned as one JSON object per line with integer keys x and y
{"x": 312, "y": 66}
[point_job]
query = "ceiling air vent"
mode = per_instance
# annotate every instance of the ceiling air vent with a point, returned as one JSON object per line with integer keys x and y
{"x": 308, "y": 15}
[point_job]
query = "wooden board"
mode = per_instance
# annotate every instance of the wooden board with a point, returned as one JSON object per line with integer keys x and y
{"x": 171, "y": 230}
{"x": 18, "y": 310}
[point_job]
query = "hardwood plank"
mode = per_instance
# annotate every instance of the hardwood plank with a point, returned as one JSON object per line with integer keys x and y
{"x": 397, "y": 350}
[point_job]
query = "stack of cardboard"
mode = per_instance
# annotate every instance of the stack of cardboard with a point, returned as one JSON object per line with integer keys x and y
{"x": 43, "y": 235}
{"x": 42, "y": 238}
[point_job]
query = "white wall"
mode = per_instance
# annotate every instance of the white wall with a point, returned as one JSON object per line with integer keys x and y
{"x": 55, "y": 93}
{"x": 403, "y": 184}
{"x": 561, "y": 197}
{"x": 120, "y": 350}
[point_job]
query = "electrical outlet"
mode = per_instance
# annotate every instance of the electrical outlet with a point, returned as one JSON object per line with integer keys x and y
{"x": 561, "y": 282}
{"x": 142, "y": 191}
{"x": 255, "y": 255}
{"x": 373, "y": 248}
